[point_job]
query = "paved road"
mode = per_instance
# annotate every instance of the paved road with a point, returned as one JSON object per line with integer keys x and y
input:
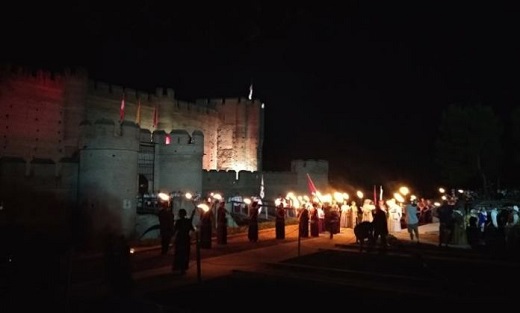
{"x": 274, "y": 268}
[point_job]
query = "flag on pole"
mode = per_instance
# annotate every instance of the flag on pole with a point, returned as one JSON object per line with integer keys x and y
{"x": 122, "y": 109}
{"x": 250, "y": 92}
{"x": 262, "y": 191}
{"x": 155, "y": 117}
{"x": 310, "y": 185}
{"x": 375, "y": 195}
{"x": 138, "y": 113}
{"x": 381, "y": 192}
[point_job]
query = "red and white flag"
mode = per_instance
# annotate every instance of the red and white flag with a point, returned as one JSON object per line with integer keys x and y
{"x": 310, "y": 185}
{"x": 262, "y": 190}
{"x": 122, "y": 109}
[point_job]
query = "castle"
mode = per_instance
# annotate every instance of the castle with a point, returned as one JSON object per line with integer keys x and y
{"x": 96, "y": 146}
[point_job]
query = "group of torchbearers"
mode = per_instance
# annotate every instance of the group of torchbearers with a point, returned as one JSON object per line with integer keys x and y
{"x": 313, "y": 218}
{"x": 213, "y": 219}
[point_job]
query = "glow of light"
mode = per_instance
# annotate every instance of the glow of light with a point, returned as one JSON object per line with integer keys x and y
{"x": 326, "y": 198}
{"x": 398, "y": 197}
{"x": 263, "y": 105}
{"x": 247, "y": 201}
{"x": 461, "y": 191}
{"x": 404, "y": 190}
{"x": 163, "y": 196}
{"x": 359, "y": 194}
{"x": 188, "y": 196}
{"x": 217, "y": 196}
{"x": 203, "y": 206}
{"x": 167, "y": 139}
{"x": 345, "y": 196}
{"x": 132, "y": 250}
{"x": 442, "y": 190}
{"x": 437, "y": 204}
{"x": 444, "y": 197}
{"x": 338, "y": 196}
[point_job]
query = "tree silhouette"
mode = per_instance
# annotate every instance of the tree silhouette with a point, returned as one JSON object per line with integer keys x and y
{"x": 469, "y": 146}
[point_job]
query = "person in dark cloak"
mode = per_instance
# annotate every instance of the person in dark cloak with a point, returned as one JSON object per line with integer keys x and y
{"x": 222, "y": 223}
{"x": 206, "y": 229}
{"x": 280, "y": 221}
{"x": 182, "y": 231}
{"x": 166, "y": 220}
{"x": 315, "y": 221}
{"x": 303, "y": 219}
{"x": 252, "y": 231}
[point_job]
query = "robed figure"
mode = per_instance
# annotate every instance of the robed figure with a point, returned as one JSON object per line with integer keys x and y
{"x": 182, "y": 231}
{"x": 206, "y": 229}
{"x": 315, "y": 221}
{"x": 166, "y": 220}
{"x": 303, "y": 218}
{"x": 252, "y": 231}
{"x": 280, "y": 222}
{"x": 221, "y": 223}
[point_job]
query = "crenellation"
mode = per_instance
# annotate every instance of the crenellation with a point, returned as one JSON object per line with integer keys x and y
{"x": 130, "y": 94}
{"x": 143, "y": 96}
{"x": 170, "y": 93}
{"x": 101, "y": 88}
{"x": 117, "y": 90}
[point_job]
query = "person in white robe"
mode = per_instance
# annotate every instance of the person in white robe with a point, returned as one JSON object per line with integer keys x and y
{"x": 395, "y": 213}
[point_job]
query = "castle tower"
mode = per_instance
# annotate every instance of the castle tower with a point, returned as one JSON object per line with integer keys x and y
{"x": 317, "y": 169}
{"x": 179, "y": 161}
{"x": 74, "y": 96}
{"x": 108, "y": 176}
{"x": 165, "y": 105}
{"x": 239, "y": 134}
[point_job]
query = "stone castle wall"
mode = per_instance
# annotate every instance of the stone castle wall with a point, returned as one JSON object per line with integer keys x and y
{"x": 42, "y": 111}
{"x": 61, "y": 134}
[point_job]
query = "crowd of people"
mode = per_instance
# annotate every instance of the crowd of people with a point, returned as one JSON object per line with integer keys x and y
{"x": 459, "y": 224}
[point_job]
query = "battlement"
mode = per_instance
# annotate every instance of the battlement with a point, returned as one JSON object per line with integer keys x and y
{"x": 106, "y": 134}
{"x": 179, "y": 137}
{"x": 313, "y": 166}
{"x": 115, "y": 92}
{"x": 41, "y": 76}
{"x": 215, "y": 102}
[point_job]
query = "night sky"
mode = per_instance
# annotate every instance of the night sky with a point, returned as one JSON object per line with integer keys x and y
{"x": 362, "y": 85}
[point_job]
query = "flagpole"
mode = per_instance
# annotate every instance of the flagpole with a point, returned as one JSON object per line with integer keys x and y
{"x": 122, "y": 109}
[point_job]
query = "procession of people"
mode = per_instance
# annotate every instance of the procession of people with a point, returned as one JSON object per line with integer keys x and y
{"x": 327, "y": 215}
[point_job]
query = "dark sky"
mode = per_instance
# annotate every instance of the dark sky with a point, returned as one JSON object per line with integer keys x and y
{"x": 360, "y": 84}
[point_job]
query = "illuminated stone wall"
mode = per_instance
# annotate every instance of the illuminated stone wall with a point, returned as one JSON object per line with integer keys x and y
{"x": 41, "y": 113}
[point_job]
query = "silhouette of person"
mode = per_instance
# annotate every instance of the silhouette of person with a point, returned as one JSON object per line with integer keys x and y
{"x": 280, "y": 221}
{"x": 380, "y": 225}
{"x": 182, "y": 231}
{"x": 166, "y": 220}
{"x": 314, "y": 220}
{"x": 303, "y": 221}
{"x": 206, "y": 229}
{"x": 222, "y": 223}
{"x": 252, "y": 231}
